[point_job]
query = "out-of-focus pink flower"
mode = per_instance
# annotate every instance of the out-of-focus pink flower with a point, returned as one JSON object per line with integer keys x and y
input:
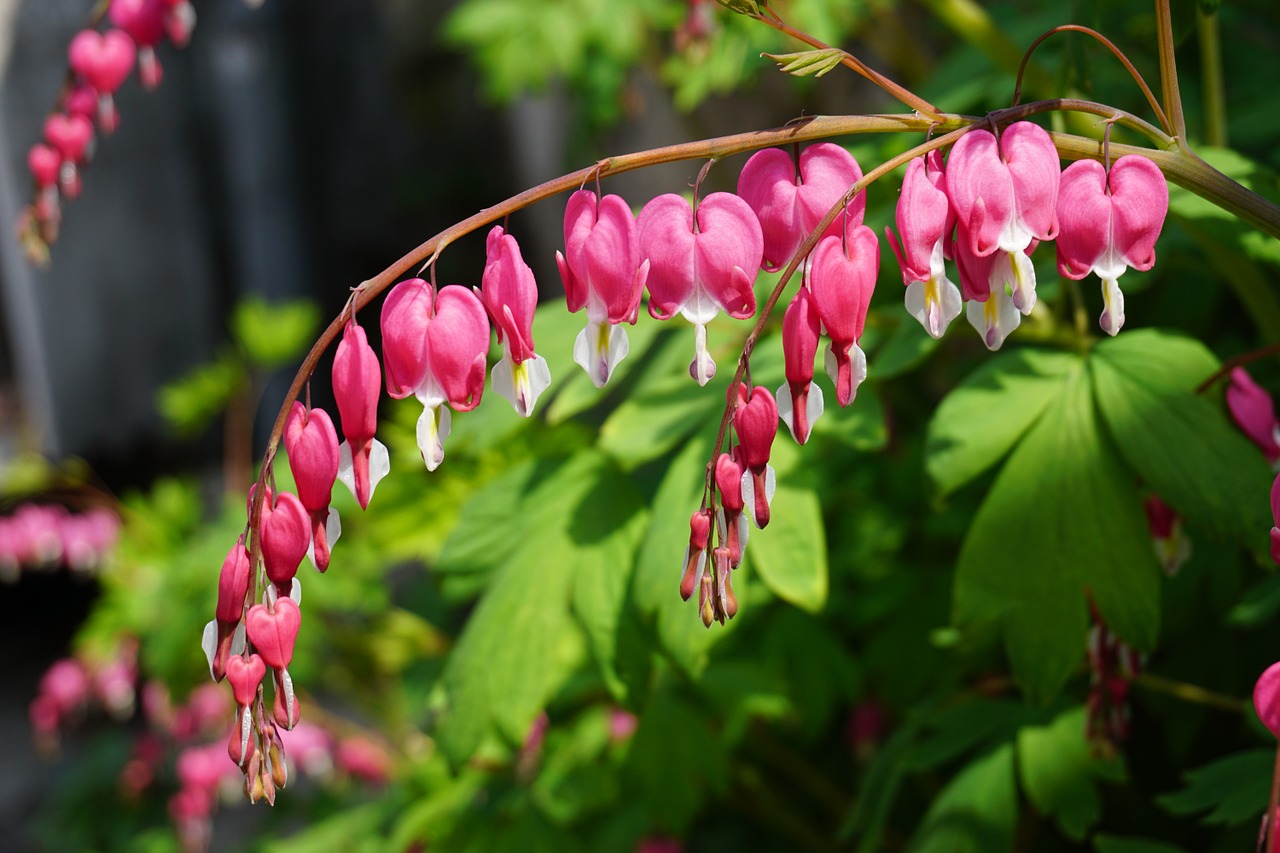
{"x": 1275, "y": 516}
{"x": 363, "y": 759}
{"x": 103, "y": 61}
{"x": 603, "y": 271}
{"x": 659, "y": 844}
{"x": 1254, "y": 412}
{"x": 1172, "y": 545}
{"x": 1266, "y": 698}
{"x": 622, "y": 724}
{"x": 309, "y": 747}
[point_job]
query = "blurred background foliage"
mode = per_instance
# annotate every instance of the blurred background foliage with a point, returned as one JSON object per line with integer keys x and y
{"x": 908, "y": 669}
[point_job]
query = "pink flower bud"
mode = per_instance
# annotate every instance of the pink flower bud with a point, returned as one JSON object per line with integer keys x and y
{"x": 233, "y": 583}
{"x": 44, "y": 162}
{"x": 925, "y": 221}
{"x": 274, "y": 630}
{"x": 733, "y": 526}
{"x": 510, "y": 295}
{"x": 799, "y": 401}
{"x": 285, "y": 532}
{"x": 312, "y": 445}
{"x": 363, "y": 759}
{"x": 790, "y": 205}
{"x": 695, "y": 556}
{"x": 1254, "y": 412}
{"x": 69, "y": 134}
{"x": 1266, "y": 698}
{"x": 245, "y": 674}
{"x": 357, "y": 383}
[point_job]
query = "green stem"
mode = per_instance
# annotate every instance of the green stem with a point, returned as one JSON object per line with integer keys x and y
{"x": 1215, "y": 107}
{"x": 1193, "y": 693}
{"x": 1169, "y": 72}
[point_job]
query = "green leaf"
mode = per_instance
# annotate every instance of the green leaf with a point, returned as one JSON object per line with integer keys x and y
{"x": 191, "y": 402}
{"x": 521, "y": 642}
{"x": 984, "y": 417}
{"x": 1233, "y": 789}
{"x": 1062, "y": 520}
{"x": 860, "y": 425}
{"x": 791, "y": 553}
{"x": 1058, "y": 771}
{"x": 274, "y": 334}
{"x": 646, "y": 426}
{"x": 1180, "y": 443}
{"x": 677, "y": 758}
{"x": 976, "y": 812}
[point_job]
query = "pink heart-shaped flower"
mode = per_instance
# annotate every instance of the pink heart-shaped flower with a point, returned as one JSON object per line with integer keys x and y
{"x": 245, "y": 674}
{"x": 69, "y": 134}
{"x": 457, "y": 341}
{"x": 44, "y": 163}
{"x": 286, "y": 533}
{"x": 104, "y": 60}
{"x": 143, "y": 20}
{"x": 273, "y": 632}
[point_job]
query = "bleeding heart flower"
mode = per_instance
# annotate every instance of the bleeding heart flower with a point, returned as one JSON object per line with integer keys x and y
{"x": 44, "y": 163}
{"x": 790, "y": 205}
{"x": 695, "y": 556}
{"x": 69, "y": 134}
{"x": 434, "y": 346}
{"x": 103, "y": 60}
{"x": 286, "y": 534}
{"x": 312, "y": 445}
{"x": 1275, "y": 517}
{"x": 925, "y": 221}
{"x": 1266, "y": 698}
{"x": 274, "y": 631}
{"x": 245, "y": 674}
{"x": 1005, "y": 196}
{"x": 602, "y": 270}
{"x": 983, "y": 282}
{"x": 1255, "y": 413}
{"x": 510, "y": 295}
{"x": 842, "y": 278}
{"x": 755, "y": 422}
{"x": 357, "y": 383}
{"x": 732, "y": 523}
{"x": 799, "y": 400}
{"x": 701, "y": 268}
{"x": 144, "y": 21}
{"x": 1110, "y": 222}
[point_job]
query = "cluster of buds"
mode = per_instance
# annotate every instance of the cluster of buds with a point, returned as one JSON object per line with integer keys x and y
{"x": 993, "y": 201}
{"x": 72, "y": 688}
{"x": 45, "y": 536}
{"x": 99, "y": 62}
{"x": 1113, "y": 665}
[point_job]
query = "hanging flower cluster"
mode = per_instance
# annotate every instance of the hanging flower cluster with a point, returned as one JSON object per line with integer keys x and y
{"x": 994, "y": 201}
{"x": 986, "y": 206}
{"x": 99, "y": 62}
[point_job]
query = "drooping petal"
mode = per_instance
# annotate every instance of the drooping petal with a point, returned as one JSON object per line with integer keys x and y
{"x": 730, "y": 246}
{"x": 520, "y": 384}
{"x": 935, "y": 302}
{"x": 980, "y": 189}
{"x": 665, "y": 227}
{"x": 1140, "y": 196}
{"x": 598, "y": 349}
{"x": 994, "y": 318}
{"x": 1084, "y": 216}
{"x": 579, "y": 219}
{"x": 1035, "y": 170}
{"x": 1254, "y": 412}
{"x": 923, "y": 217}
{"x": 1266, "y": 698}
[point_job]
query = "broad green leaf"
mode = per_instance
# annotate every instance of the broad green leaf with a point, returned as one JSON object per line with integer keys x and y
{"x": 274, "y": 334}
{"x": 677, "y": 758}
{"x": 1178, "y": 442}
{"x": 520, "y": 642}
{"x": 1257, "y": 605}
{"x": 1233, "y": 789}
{"x": 984, "y": 417}
{"x": 904, "y": 347}
{"x": 976, "y": 812}
{"x": 646, "y": 426}
{"x": 1059, "y": 771}
{"x": 1062, "y": 521}
{"x": 860, "y": 425}
{"x": 490, "y": 526}
{"x": 605, "y": 530}
{"x": 791, "y": 553}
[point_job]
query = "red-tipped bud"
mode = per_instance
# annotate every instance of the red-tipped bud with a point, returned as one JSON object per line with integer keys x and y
{"x": 695, "y": 557}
